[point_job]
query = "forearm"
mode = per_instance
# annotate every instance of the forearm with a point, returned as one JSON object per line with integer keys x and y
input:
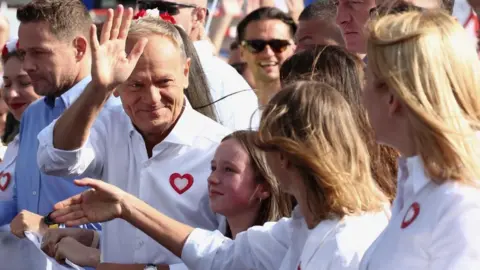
{"x": 73, "y": 127}
{"x": 166, "y": 231}
{"x": 219, "y": 33}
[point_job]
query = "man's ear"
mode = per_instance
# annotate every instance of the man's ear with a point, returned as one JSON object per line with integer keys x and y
{"x": 186, "y": 72}
{"x": 81, "y": 46}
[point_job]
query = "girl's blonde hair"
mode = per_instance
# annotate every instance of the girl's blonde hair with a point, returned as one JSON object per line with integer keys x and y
{"x": 427, "y": 60}
{"x": 312, "y": 124}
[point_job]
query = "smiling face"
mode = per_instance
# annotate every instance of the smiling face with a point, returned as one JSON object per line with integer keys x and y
{"x": 153, "y": 95}
{"x": 352, "y": 16}
{"x": 265, "y": 65}
{"x": 232, "y": 186}
{"x": 18, "y": 91}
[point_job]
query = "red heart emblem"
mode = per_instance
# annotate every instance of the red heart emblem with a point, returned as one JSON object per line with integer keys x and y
{"x": 5, "y": 179}
{"x": 181, "y": 183}
{"x": 411, "y": 215}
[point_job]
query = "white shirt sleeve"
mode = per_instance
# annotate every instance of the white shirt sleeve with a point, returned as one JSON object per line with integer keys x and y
{"x": 456, "y": 239}
{"x": 86, "y": 160}
{"x": 260, "y": 247}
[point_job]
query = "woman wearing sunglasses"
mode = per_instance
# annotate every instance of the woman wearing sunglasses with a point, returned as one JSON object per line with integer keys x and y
{"x": 314, "y": 149}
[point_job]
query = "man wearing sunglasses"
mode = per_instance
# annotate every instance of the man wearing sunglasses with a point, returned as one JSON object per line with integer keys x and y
{"x": 266, "y": 38}
{"x": 235, "y": 107}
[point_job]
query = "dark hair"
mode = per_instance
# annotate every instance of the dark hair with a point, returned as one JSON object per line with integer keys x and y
{"x": 198, "y": 91}
{"x": 65, "y": 17}
{"x": 12, "y": 127}
{"x": 265, "y": 13}
{"x": 279, "y": 204}
{"x": 234, "y": 45}
{"x": 343, "y": 71}
{"x": 322, "y": 10}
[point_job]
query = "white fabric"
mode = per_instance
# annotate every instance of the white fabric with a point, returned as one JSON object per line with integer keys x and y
{"x": 443, "y": 235}
{"x": 116, "y": 153}
{"x": 52, "y": 264}
{"x": 236, "y": 111}
{"x": 287, "y": 245}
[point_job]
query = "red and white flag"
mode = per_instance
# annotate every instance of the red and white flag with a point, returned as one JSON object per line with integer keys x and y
{"x": 467, "y": 17}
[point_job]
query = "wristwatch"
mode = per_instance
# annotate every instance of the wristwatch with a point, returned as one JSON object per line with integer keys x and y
{"x": 49, "y": 222}
{"x": 150, "y": 267}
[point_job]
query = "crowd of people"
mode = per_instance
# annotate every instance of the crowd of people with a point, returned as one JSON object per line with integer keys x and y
{"x": 344, "y": 136}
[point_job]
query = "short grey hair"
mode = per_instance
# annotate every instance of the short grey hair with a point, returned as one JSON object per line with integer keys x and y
{"x": 148, "y": 25}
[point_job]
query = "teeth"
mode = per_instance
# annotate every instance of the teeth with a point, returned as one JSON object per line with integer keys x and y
{"x": 268, "y": 63}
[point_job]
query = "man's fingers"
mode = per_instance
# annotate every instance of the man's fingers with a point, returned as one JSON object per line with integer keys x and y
{"x": 93, "y": 38}
{"x": 107, "y": 27}
{"x": 127, "y": 20}
{"x": 117, "y": 22}
{"x": 77, "y": 222}
{"x": 72, "y": 215}
{"x": 68, "y": 202}
{"x": 137, "y": 51}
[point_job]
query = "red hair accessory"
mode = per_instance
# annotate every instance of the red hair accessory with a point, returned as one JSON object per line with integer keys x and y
{"x": 154, "y": 13}
{"x": 10, "y": 47}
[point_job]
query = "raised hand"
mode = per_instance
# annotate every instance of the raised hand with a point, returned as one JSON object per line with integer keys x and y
{"x": 110, "y": 64}
{"x": 103, "y": 202}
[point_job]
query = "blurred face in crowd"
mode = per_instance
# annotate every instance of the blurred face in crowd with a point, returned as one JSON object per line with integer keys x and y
{"x": 18, "y": 91}
{"x": 232, "y": 186}
{"x": 236, "y": 61}
{"x": 318, "y": 31}
{"x": 190, "y": 14}
{"x": 153, "y": 95}
{"x": 352, "y": 16}
{"x": 51, "y": 63}
{"x": 265, "y": 60}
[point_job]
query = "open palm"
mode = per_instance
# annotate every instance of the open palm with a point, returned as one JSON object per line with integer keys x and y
{"x": 111, "y": 65}
{"x": 103, "y": 202}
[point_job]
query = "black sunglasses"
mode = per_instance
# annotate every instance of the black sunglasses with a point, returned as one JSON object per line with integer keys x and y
{"x": 258, "y": 45}
{"x": 239, "y": 67}
{"x": 397, "y": 9}
{"x": 164, "y": 6}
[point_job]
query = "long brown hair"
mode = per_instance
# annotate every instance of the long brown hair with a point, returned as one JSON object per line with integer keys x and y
{"x": 279, "y": 204}
{"x": 313, "y": 125}
{"x": 344, "y": 71}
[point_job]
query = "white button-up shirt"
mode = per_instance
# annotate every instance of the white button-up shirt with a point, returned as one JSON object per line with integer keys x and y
{"x": 432, "y": 226}
{"x": 236, "y": 111}
{"x": 173, "y": 180}
{"x": 287, "y": 245}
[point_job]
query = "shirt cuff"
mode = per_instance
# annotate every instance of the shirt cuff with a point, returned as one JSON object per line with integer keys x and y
{"x": 200, "y": 248}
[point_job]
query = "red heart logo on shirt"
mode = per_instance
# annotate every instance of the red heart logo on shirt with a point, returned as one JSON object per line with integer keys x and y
{"x": 411, "y": 215}
{"x": 5, "y": 179}
{"x": 181, "y": 183}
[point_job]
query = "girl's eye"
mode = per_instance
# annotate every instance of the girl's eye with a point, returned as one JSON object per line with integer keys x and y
{"x": 213, "y": 168}
{"x": 228, "y": 169}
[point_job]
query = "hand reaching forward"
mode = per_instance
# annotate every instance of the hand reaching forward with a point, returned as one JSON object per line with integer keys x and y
{"x": 103, "y": 202}
{"x": 110, "y": 64}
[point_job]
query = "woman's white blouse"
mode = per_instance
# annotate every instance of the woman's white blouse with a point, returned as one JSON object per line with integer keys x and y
{"x": 287, "y": 245}
{"x": 432, "y": 226}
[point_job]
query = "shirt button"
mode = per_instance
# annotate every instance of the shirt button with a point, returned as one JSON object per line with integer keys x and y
{"x": 34, "y": 193}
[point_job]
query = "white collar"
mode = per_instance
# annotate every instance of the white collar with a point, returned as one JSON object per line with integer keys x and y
{"x": 416, "y": 172}
{"x": 204, "y": 48}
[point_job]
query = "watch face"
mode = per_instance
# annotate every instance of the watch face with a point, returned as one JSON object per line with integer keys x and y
{"x": 150, "y": 267}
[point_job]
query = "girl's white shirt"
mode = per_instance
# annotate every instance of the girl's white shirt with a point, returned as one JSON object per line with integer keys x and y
{"x": 432, "y": 227}
{"x": 287, "y": 244}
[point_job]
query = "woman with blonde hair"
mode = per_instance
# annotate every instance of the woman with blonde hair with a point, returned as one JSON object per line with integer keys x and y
{"x": 314, "y": 149}
{"x": 422, "y": 99}
{"x": 344, "y": 71}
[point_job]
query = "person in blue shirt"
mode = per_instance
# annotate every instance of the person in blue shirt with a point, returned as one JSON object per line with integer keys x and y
{"x": 54, "y": 45}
